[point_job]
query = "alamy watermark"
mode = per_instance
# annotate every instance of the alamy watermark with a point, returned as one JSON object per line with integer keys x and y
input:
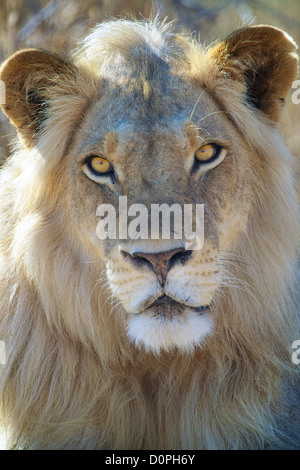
{"x": 187, "y": 226}
{"x": 2, "y": 92}
{"x": 296, "y": 93}
{"x": 296, "y": 354}
{"x": 2, "y": 353}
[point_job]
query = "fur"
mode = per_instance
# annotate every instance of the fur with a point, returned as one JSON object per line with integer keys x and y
{"x": 72, "y": 379}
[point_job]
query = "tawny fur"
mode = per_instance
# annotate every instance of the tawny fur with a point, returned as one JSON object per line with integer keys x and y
{"x": 72, "y": 379}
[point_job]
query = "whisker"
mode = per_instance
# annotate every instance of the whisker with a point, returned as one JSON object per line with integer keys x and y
{"x": 211, "y": 114}
{"x": 228, "y": 279}
{"x": 195, "y": 106}
{"x": 234, "y": 261}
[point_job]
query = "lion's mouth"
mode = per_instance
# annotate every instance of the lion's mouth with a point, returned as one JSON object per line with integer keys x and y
{"x": 166, "y": 306}
{"x": 166, "y": 323}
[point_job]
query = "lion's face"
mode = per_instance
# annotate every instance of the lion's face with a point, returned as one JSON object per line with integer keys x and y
{"x": 143, "y": 114}
{"x": 147, "y": 151}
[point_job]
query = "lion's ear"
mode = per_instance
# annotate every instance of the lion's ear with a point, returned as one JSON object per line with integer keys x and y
{"x": 29, "y": 76}
{"x": 264, "y": 59}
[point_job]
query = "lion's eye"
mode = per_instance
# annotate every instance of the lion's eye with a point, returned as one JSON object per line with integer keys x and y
{"x": 97, "y": 168}
{"x": 208, "y": 153}
{"x": 207, "y": 157}
{"x": 99, "y": 165}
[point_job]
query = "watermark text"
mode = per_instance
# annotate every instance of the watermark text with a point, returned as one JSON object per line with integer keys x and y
{"x": 178, "y": 222}
{"x": 296, "y": 354}
{"x": 2, "y": 353}
{"x": 296, "y": 93}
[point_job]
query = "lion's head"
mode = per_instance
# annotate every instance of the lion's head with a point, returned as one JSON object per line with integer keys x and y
{"x": 141, "y": 115}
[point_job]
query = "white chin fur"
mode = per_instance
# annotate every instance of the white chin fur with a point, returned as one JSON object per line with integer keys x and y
{"x": 160, "y": 333}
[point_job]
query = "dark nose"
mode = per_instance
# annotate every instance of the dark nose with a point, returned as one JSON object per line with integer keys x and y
{"x": 162, "y": 262}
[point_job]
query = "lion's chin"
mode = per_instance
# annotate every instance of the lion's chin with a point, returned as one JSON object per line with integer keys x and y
{"x": 184, "y": 330}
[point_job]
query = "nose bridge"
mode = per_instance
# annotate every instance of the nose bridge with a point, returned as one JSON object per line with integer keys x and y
{"x": 135, "y": 247}
{"x": 158, "y": 186}
{"x": 158, "y": 175}
{"x": 160, "y": 226}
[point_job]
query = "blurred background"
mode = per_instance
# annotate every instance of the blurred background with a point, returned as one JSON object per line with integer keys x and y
{"x": 58, "y": 24}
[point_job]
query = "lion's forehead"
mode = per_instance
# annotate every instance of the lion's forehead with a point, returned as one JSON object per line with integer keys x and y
{"x": 164, "y": 118}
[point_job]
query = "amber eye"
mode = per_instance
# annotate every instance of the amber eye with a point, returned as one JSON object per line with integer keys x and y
{"x": 208, "y": 153}
{"x": 208, "y": 157}
{"x": 99, "y": 169}
{"x": 99, "y": 165}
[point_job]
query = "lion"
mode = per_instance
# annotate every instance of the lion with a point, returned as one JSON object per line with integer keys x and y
{"x": 147, "y": 343}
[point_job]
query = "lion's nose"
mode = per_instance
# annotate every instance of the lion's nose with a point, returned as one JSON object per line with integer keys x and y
{"x": 162, "y": 262}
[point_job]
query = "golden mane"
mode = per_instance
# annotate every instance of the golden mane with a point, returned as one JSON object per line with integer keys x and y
{"x": 71, "y": 373}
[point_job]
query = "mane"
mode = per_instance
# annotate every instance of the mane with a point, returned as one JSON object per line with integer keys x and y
{"x": 126, "y": 38}
{"x": 136, "y": 50}
{"x": 64, "y": 335}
